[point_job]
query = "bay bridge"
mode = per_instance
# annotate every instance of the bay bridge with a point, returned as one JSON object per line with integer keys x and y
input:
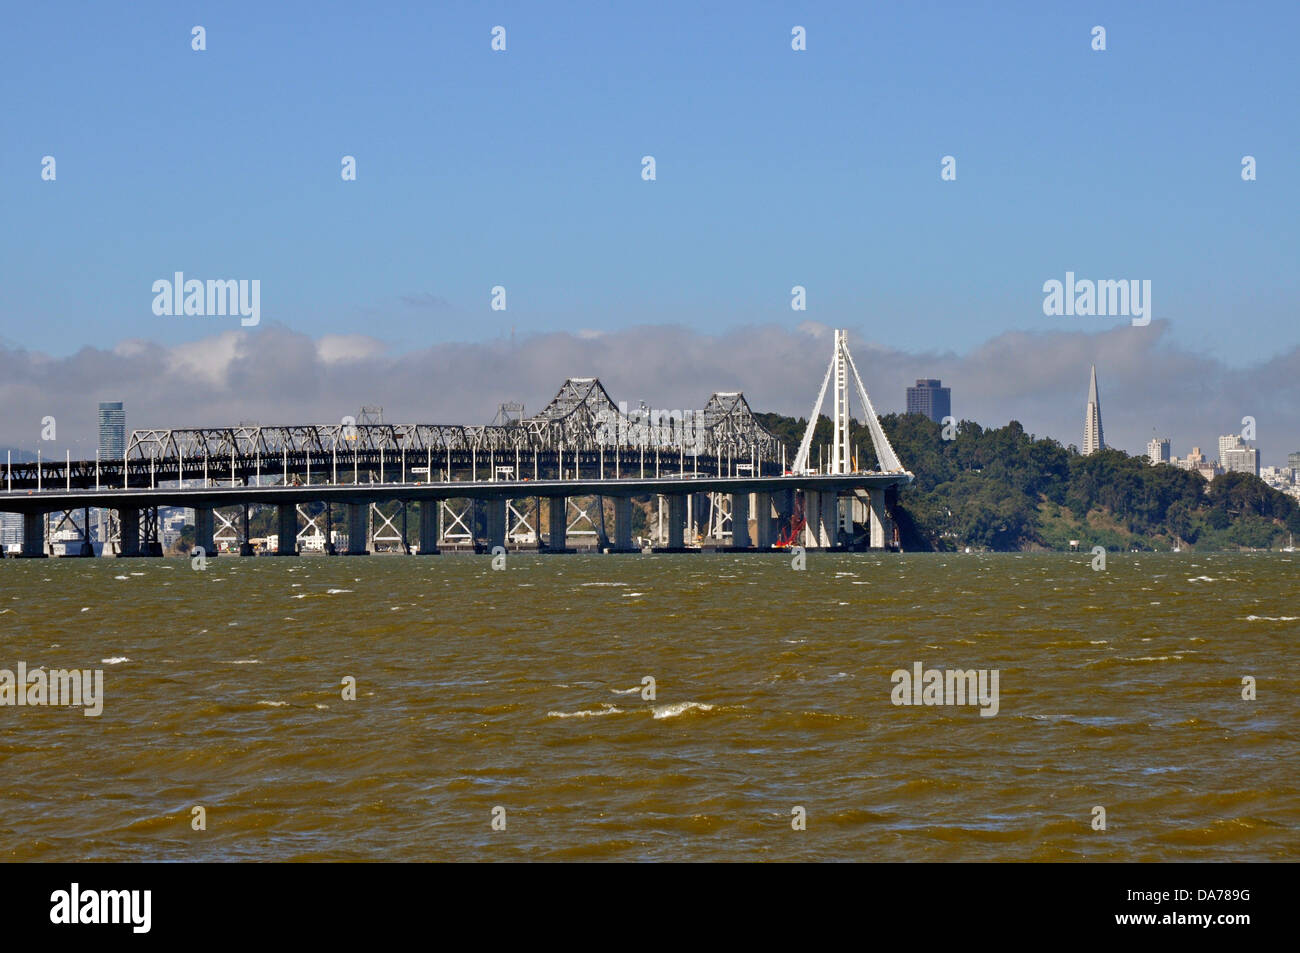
{"x": 583, "y": 471}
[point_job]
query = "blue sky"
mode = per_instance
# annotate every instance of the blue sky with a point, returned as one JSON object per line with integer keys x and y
{"x": 775, "y": 168}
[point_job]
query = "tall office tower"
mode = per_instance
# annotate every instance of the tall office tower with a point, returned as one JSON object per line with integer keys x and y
{"x": 1236, "y": 456}
{"x": 1293, "y": 460}
{"x": 1092, "y": 437}
{"x": 1158, "y": 450}
{"x": 928, "y": 398}
{"x": 112, "y": 430}
{"x": 1239, "y": 459}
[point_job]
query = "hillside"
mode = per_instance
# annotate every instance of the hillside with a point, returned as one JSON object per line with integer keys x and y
{"x": 1003, "y": 489}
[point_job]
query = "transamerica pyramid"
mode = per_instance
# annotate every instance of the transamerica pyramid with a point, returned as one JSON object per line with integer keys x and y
{"x": 1092, "y": 439}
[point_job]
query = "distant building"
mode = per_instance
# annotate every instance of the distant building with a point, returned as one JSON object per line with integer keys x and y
{"x": 1092, "y": 436}
{"x": 11, "y": 529}
{"x": 1158, "y": 450}
{"x": 1198, "y": 462}
{"x": 1293, "y": 460}
{"x": 1236, "y": 457}
{"x": 928, "y": 398}
{"x": 112, "y": 430}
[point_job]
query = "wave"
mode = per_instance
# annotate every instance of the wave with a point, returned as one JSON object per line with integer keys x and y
{"x": 680, "y": 708}
{"x": 586, "y": 713}
{"x": 114, "y": 660}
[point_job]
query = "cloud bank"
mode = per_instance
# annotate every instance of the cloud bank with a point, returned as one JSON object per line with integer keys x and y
{"x": 273, "y": 374}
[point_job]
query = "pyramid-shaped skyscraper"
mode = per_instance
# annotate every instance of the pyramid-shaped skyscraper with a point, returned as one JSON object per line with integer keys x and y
{"x": 1092, "y": 439}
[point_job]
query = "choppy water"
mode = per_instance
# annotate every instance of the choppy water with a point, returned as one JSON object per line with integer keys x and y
{"x": 522, "y": 689}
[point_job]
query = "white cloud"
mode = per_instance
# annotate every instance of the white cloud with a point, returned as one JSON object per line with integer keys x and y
{"x": 275, "y": 375}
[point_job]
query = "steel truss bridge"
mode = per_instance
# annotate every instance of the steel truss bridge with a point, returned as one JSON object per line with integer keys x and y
{"x": 577, "y": 464}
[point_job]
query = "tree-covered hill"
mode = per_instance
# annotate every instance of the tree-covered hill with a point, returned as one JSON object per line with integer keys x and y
{"x": 1002, "y": 488}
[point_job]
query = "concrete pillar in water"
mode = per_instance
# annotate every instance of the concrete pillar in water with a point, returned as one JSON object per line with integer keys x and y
{"x": 622, "y": 522}
{"x": 287, "y": 520}
{"x": 882, "y": 531}
{"x": 740, "y": 519}
{"x": 203, "y": 530}
{"x": 676, "y": 521}
{"x": 428, "y": 527}
{"x": 128, "y": 522}
{"x": 245, "y": 544}
{"x": 357, "y": 520}
{"x": 764, "y": 524}
{"x": 810, "y": 538}
{"x": 33, "y": 536}
{"x": 558, "y": 519}
{"x": 496, "y": 522}
{"x": 829, "y": 523}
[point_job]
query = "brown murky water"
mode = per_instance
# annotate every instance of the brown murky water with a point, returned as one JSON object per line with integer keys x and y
{"x": 522, "y": 689}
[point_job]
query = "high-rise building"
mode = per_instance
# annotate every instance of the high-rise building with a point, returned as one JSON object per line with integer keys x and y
{"x": 112, "y": 430}
{"x": 1236, "y": 457}
{"x": 1293, "y": 460}
{"x": 1092, "y": 436}
{"x": 1158, "y": 450}
{"x": 928, "y": 398}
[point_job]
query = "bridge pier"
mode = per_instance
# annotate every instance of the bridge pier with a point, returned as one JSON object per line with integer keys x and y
{"x": 740, "y": 521}
{"x": 287, "y": 520}
{"x": 558, "y": 524}
{"x": 622, "y": 525}
{"x": 33, "y": 536}
{"x": 676, "y": 541}
{"x": 204, "y": 524}
{"x": 128, "y": 521}
{"x": 882, "y": 530}
{"x": 428, "y": 527}
{"x": 245, "y": 544}
{"x": 496, "y": 522}
{"x": 764, "y": 524}
{"x": 357, "y": 515}
{"x": 821, "y": 519}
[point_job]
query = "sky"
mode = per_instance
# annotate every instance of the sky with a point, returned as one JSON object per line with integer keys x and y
{"x": 523, "y": 169}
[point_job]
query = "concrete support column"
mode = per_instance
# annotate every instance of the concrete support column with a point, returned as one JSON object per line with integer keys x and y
{"x": 882, "y": 531}
{"x": 764, "y": 524}
{"x": 740, "y": 519}
{"x": 34, "y": 536}
{"x": 245, "y": 544}
{"x": 287, "y": 520}
{"x": 204, "y": 524}
{"x": 496, "y": 522}
{"x": 128, "y": 522}
{"x": 558, "y": 521}
{"x": 676, "y": 521}
{"x": 622, "y": 522}
{"x": 829, "y": 523}
{"x": 812, "y": 507}
{"x": 428, "y": 527}
{"x": 357, "y": 520}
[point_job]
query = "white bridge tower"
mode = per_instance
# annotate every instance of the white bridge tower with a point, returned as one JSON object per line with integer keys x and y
{"x": 840, "y": 368}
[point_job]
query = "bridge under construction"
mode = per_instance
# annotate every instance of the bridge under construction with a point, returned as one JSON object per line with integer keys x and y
{"x": 582, "y": 473}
